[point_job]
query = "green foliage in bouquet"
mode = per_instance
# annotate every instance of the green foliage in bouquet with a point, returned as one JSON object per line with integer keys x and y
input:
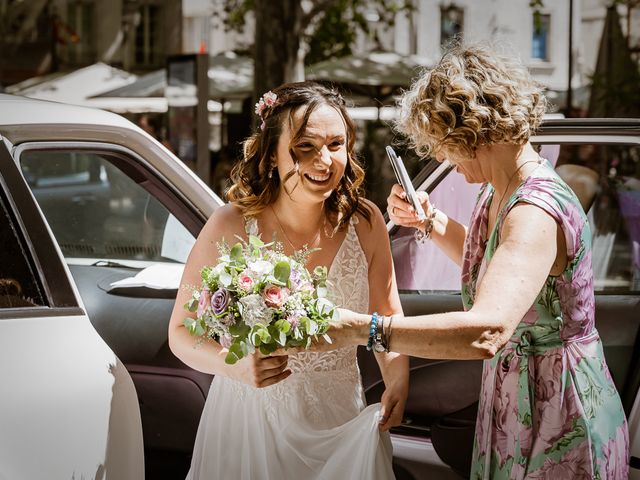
{"x": 256, "y": 297}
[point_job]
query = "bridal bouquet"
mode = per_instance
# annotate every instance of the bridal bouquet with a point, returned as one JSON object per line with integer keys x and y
{"x": 257, "y": 297}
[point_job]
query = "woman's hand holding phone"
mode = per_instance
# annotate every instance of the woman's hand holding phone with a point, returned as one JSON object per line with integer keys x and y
{"x": 401, "y": 212}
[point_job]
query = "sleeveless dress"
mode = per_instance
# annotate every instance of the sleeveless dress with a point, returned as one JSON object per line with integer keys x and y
{"x": 312, "y": 425}
{"x": 548, "y": 406}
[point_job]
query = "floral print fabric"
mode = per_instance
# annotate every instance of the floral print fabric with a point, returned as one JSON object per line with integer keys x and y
{"x": 548, "y": 406}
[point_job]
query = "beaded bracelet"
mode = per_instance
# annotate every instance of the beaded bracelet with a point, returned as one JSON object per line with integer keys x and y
{"x": 372, "y": 330}
{"x": 379, "y": 340}
{"x": 421, "y": 236}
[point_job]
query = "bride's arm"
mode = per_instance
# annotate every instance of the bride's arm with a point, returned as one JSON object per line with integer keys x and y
{"x": 208, "y": 356}
{"x": 384, "y": 299}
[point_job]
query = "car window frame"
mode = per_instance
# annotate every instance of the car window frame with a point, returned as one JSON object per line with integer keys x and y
{"x": 38, "y": 243}
{"x": 155, "y": 183}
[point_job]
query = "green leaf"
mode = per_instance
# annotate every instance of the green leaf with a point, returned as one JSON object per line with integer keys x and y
{"x": 282, "y": 338}
{"x": 194, "y": 326}
{"x": 192, "y": 305}
{"x": 235, "y": 353}
{"x": 244, "y": 348}
{"x": 255, "y": 338}
{"x": 268, "y": 348}
{"x": 231, "y": 358}
{"x": 239, "y": 329}
{"x": 283, "y": 326}
{"x": 236, "y": 251}
{"x": 282, "y": 271}
{"x": 255, "y": 241}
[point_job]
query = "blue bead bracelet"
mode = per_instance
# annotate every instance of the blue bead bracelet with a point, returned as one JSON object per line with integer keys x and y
{"x": 372, "y": 330}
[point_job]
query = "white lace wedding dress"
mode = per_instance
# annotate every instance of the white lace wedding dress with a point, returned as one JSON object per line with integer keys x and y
{"x": 314, "y": 424}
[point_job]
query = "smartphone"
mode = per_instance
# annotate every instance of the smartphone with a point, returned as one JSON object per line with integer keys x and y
{"x": 405, "y": 182}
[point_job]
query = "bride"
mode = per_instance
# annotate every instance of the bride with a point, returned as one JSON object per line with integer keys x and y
{"x": 303, "y": 415}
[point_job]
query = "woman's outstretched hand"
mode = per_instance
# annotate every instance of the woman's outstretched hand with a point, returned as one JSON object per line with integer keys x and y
{"x": 401, "y": 212}
{"x": 350, "y": 329}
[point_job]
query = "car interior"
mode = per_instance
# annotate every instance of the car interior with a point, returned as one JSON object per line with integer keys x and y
{"x": 112, "y": 219}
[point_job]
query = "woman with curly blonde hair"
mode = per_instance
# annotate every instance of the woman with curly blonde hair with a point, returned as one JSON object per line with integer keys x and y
{"x": 548, "y": 406}
{"x": 299, "y": 415}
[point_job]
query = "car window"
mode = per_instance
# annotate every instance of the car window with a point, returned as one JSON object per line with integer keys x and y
{"x": 97, "y": 211}
{"x": 19, "y": 284}
{"x": 606, "y": 179}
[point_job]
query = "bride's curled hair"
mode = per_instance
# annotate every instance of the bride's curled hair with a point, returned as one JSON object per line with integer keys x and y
{"x": 253, "y": 188}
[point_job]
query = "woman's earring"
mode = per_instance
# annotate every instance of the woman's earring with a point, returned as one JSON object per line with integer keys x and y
{"x": 270, "y": 174}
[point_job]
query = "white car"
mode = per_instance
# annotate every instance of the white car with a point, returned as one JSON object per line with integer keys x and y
{"x": 99, "y": 219}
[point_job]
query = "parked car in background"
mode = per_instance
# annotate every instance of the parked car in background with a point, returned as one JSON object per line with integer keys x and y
{"x": 101, "y": 220}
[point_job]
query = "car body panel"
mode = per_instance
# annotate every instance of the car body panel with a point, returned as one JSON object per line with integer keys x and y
{"x": 68, "y": 408}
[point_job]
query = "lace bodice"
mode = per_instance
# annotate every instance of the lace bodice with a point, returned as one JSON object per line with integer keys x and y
{"x": 348, "y": 279}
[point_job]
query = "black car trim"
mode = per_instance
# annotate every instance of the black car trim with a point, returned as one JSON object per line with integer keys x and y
{"x": 32, "y": 312}
{"x": 40, "y": 244}
{"x": 590, "y": 126}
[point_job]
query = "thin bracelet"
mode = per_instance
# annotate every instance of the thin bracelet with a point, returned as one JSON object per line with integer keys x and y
{"x": 372, "y": 330}
{"x": 379, "y": 344}
{"x": 389, "y": 335}
{"x": 421, "y": 236}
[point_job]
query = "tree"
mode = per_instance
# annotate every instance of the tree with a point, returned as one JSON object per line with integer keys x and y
{"x": 288, "y": 30}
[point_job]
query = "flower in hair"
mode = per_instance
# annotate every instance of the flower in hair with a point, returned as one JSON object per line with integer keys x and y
{"x": 267, "y": 100}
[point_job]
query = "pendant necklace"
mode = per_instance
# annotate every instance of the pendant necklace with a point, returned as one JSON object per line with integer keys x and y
{"x": 509, "y": 182}
{"x": 313, "y": 243}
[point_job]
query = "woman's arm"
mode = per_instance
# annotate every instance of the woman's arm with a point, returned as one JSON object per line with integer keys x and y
{"x": 208, "y": 357}
{"x": 447, "y": 234}
{"x": 384, "y": 299}
{"x": 513, "y": 280}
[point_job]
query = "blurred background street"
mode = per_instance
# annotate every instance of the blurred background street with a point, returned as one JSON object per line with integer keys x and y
{"x": 189, "y": 71}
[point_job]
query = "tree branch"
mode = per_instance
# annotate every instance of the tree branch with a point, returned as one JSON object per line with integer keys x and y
{"x": 317, "y": 7}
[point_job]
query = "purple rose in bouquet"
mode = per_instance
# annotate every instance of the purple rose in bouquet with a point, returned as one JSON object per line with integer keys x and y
{"x": 220, "y": 301}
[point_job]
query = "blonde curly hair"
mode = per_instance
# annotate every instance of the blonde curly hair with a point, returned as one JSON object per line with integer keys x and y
{"x": 472, "y": 97}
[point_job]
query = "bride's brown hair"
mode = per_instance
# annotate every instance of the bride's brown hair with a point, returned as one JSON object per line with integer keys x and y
{"x": 254, "y": 189}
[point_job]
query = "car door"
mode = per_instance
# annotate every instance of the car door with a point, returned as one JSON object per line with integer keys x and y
{"x": 68, "y": 407}
{"x": 116, "y": 216}
{"x": 601, "y": 162}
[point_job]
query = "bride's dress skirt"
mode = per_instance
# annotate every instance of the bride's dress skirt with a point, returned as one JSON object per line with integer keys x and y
{"x": 313, "y": 425}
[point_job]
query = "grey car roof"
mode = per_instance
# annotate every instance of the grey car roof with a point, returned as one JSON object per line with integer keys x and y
{"x": 25, "y": 119}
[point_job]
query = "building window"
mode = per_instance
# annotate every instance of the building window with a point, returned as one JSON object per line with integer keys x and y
{"x": 77, "y": 33}
{"x": 451, "y": 24}
{"x": 540, "y": 38}
{"x": 146, "y": 51}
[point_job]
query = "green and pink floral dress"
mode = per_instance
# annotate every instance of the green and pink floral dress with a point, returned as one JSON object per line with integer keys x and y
{"x": 548, "y": 406}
